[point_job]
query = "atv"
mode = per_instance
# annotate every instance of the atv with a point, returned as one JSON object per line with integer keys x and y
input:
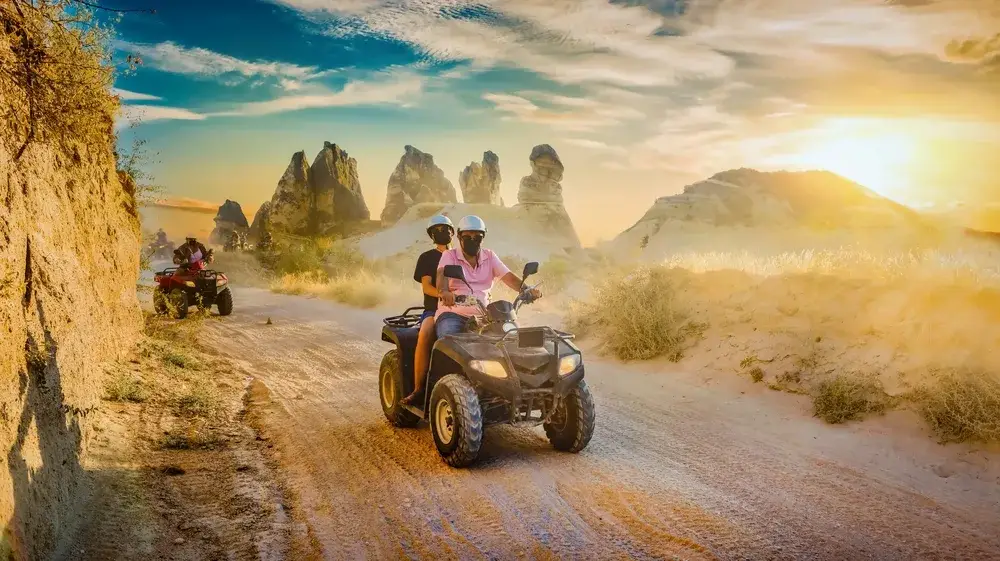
{"x": 178, "y": 288}
{"x": 495, "y": 373}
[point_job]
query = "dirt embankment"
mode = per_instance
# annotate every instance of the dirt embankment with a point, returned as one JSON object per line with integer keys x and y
{"x": 68, "y": 267}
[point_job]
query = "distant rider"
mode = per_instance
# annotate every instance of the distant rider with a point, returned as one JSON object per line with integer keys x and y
{"x": 481, "y": 267}
{"x": 441, "y": 230}
{"x": 191, "y": 252}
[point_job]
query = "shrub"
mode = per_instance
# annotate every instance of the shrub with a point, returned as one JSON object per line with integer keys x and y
{"x": 125, "y": 387}
{"x": 963, "y": 406}
{"x": 849, "y": 397}
{"x": 363, "y": 289}
{"x": 636, "y": 316}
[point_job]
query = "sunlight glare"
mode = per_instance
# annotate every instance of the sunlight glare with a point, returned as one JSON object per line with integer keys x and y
{"x": 882, "y": 160}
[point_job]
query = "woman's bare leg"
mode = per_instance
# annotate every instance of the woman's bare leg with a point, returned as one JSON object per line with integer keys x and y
{"x": 421, "y": 358}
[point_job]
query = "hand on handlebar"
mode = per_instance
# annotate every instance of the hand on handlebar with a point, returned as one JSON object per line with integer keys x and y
{"x": 448, "y": 298}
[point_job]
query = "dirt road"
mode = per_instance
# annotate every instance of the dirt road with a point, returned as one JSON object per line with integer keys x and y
{"x": 678, "y": 467}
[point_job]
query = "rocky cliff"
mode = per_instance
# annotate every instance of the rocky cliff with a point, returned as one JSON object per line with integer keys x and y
{"x": 320, "y": 199}
{"x": 261, "y": 221}
{"x": 416, "y": 179}
{"x": 69, "y": 257}
{"x": 480, "y": 182}
{"x": 228, "y": 219}
{"x": 747, "y": 200}
{"x": 540, "y": 195}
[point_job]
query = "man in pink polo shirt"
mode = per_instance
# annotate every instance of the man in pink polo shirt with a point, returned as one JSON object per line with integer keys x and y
{"x": 481, "y": 267}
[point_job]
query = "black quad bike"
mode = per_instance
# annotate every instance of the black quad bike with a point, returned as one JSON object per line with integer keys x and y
{"x": 496, "y": 373}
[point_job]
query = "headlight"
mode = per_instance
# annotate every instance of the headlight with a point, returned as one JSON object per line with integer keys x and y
{"x": 189, "y": 283}
{"x": 568, "y": 364}
{"x": 508, "y": 327}
{"x": 491, "y": 368}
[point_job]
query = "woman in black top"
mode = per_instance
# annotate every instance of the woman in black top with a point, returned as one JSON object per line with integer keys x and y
{"x": 441, "y": 230}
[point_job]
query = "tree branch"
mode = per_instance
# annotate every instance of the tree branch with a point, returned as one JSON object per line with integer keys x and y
{"x": 116, "y": 10}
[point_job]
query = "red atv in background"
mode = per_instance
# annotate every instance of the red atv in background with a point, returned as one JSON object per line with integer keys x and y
{"x": 179, "y": 288}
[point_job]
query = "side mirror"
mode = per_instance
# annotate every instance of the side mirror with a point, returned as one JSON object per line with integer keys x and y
{"x": 454, "y": 272}
{"x": 530, "y": 269}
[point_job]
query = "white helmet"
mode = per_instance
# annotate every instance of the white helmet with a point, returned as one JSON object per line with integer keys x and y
{"x": 472, "y": 223}
{"x": 438, "y": 220}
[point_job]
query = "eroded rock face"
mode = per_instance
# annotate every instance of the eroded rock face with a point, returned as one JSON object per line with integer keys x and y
{"x": 261, "y": 221}
{"x": 416, "y": 180}
{"x": 540, "y": 194}
{"x": 228, "y": 219}
{"x": 69, "y": 264}
{"x": 480, "y": 182}
{"x": 319, "y": 199}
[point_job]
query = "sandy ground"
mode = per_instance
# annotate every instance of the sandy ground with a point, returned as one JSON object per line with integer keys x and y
{"x": 681, "y": 465}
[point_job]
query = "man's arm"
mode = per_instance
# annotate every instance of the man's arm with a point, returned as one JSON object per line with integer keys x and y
{"x": 447, "y": 297}
{"x": 512, "y": 280}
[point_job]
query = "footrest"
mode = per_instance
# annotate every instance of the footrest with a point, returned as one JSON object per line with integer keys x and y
{"x": 415, "y": 410}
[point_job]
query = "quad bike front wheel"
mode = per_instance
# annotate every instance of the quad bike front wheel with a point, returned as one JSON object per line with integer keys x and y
{"x": 178, "y": 301}
{"x": 572, "y": 424}
{"x": 390, "y": 384}
{"x": 224, "y": 300}
{"x": 159, "y": 301}
{"x": 456, "y": 420}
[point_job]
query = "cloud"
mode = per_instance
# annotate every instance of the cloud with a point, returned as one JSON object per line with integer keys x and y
{"x": 195, "y": 61}
{"x": 595, "y": 145}
{"x": 187, "y": 204}
{"x": 978, "y": 51}
{"x": 126, "y": 95}
{"x": 575, "y": 114}
{"x": 151, "y": 113}
{"x": 387, "y": 89}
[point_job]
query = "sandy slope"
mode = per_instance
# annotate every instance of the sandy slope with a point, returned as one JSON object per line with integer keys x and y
{"x": 678, "y": 466}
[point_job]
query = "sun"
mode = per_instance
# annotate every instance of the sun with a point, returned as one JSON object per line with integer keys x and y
{"x": 879, "y": 158}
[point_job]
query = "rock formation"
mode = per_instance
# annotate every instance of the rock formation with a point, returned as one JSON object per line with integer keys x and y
{"x": 747, "y": 198}
{"x": 480, "y": 183}
{"x": 540, "y": 194}
{"x": 261, "y": 221}
{"x": 415, "y": 180}
{"x": 229, "y": 219}
{"x": 319, "y": 199}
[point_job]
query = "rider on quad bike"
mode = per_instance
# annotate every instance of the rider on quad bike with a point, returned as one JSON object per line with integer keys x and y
{"x": 192, "y": 254}
{"x": 190, "y": 283}
{"x": 485, "y": 368}
{"x": 481, "y": 267}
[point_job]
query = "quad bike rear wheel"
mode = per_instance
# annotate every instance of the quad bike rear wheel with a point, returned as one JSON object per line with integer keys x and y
{"x": 456, "y": 420}
{"x": 159, "y": 301}
{"x": 572, "y": 424}
{"x": 224, "y": 300}
{"x": 390, "y": 384}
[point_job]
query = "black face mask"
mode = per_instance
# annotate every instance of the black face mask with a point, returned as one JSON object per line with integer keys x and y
{"x": 471, "y": 245}
{"x": 441, "y": 237}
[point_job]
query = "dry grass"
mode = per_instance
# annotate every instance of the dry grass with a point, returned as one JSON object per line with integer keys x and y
{"x": 818, "y": 317}
{"x": 636, "y": 317}
{"x": 124, "y": 386}
{"x": 849, "y": 397}
{"x": 963, "y": 406}
{"x": 976, "y": 266}
{"x": 363, "y": 289}
{"x": 243, "y": 269}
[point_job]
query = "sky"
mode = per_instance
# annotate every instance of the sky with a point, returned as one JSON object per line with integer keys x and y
{"x": 639, "y": 98}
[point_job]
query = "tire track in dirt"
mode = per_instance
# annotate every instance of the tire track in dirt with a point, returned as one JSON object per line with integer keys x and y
{"x": 674, "y": 469}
